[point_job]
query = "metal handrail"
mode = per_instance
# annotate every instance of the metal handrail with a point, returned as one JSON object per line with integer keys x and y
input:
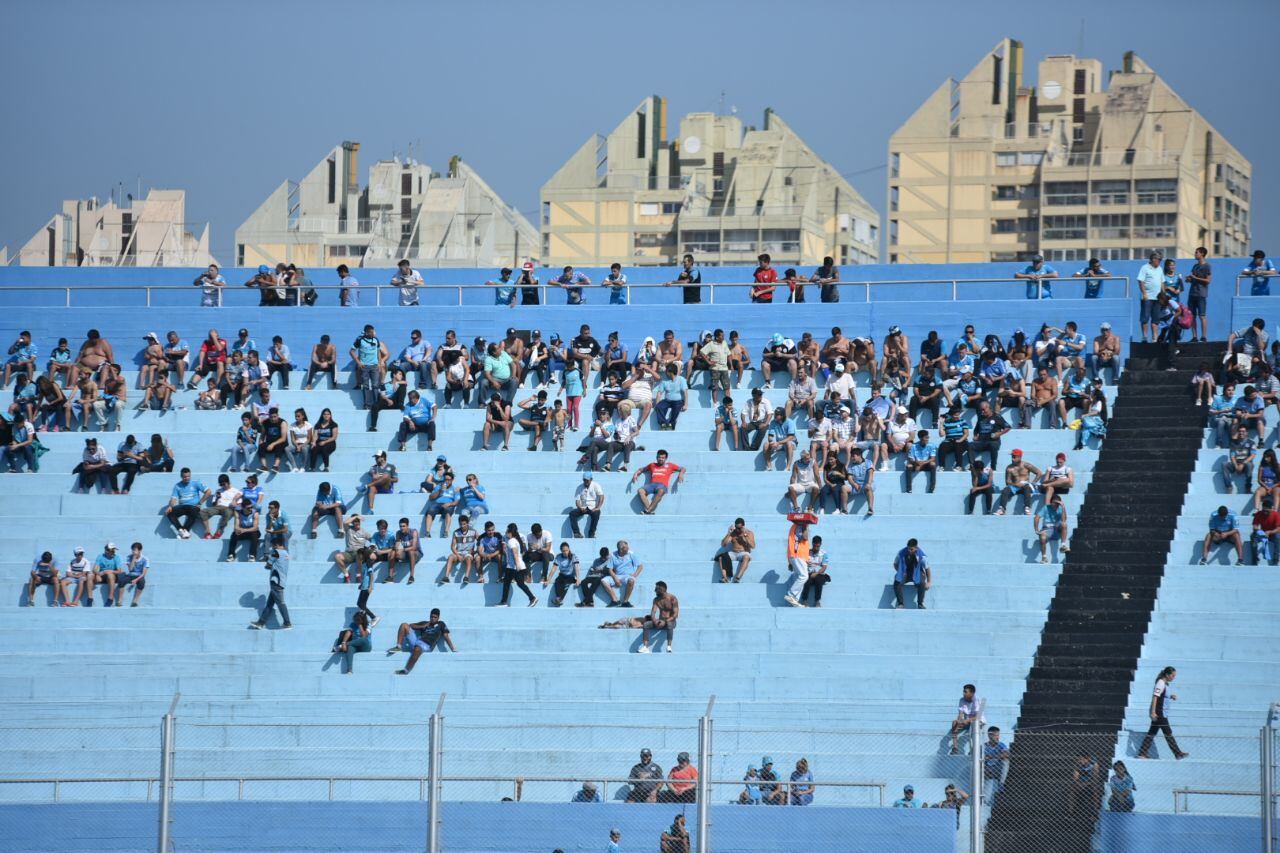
{"x": 544, "y": 287}
{"x": 1180, "y": 796}
{"x": 1241, "y": 276}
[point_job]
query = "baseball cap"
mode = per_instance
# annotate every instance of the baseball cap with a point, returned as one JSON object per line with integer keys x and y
{"x": 775, "y": 338}
{"x": 766, "y": 761}
{"x": 1258, "y": 253}
{"x": 1062, "y": 456}
{"x": 684, "y": 756}
{"x": 902, "y": 410}
{"x": 262, "y": 268}
{"x": 907, "y": 789}
{"x": 895, "y": 330}
{"x": 588, "y": 786}
{"x": 1017, "y": 452}
{"x": 1106, "y": 325}
{"x": 511, "y": 331}
{"x": 79, "y": 549}
{"x": 536, "y": 333}
{"x": 839, "y": 368}
{"x": 442, "y": 458}
{"x": 381, "y": 454}
{"x": 646, "y": 751}
{"x": 587, "y": 475}
{"x": 150, "y": 336}
{"x": 110, "y": 546}
{"x": 527, "y": 265}
{"x": 1038, "y": 258}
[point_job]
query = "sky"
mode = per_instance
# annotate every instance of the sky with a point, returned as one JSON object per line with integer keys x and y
{"x": 227, "y": 99}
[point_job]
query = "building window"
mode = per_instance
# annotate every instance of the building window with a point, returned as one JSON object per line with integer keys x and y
{"x": 1111, "y": 254}
{"x": 893, "y": 232}
{"x": 875, "y": 235}
{"x": 1157, "y": 190}
{"x": 1004, "y": 192}
{"x": 782, "y": 240}
{"x": 653, "y": 241}
{"x": 1077, "y": 135}
{"x": 333, "y": 180}
{"x": 1065, "y": 227}
{"x": 1030, "y": 158}
{"x": 893, "y": 198}
{"x": 239, "y": 254}
{"x": 894, "y": 163}
{"x": 1110, "y": 192}
{"x": 1066, "y": 255}
{"x": 1110, "y": 226}
{"x": 406, "y": 183}
{"x": 650, "y": 208}
{"x": 671, "y": 207}
{"x": 704, "y": 241}
{"x": 1154, "y": 226}
{"x": 893, "y": 257}
{"x": 717, "y": 164}
{"x": 546, "y": 213}
{"x": 1006, "y": 158}
{"x": 1004, "y": 226}
{"x": 1066, "y": 192}
{"x": 1077, "y": 111}
{"x": 1080, "y": 82}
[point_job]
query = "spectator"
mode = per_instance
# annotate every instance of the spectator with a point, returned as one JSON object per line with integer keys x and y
{"x": 514, "y": 568}
{"x": 1075, "y": 393}
{"x": 716, "y": 354}
{"x": 210, "y": 283}
{"x": 1058, "y": 478}
{"x": 1122, "y": 786}
{"x": 843, "y": 386}
{"x": 1268, "y": 479}
{"x": 646, "y": 780}
{"x": 780, "y": 354}
{"x": 726, "y": 418}
{"x": 390, "y": 395}
{"x": 616, "y": 281}
{"x": 500, "y": 372}
{"x": 911, "y": 566}
{"x": 801, "y": 779}
{"x": 662, "y": 617}
{"x": 1051, "y": 523}
{"x": 798, "y": 550}
{"x": 442, "y": 501}
{"x": 21, "y": 445}
{"x": 765, "y": 278}
{"x": 827, "y": 277}
{"x": 953, "y": 797}
{"x": 968, "y": 710}
{"x": 861, "y": 481}
{"x": 1085, "y": 787}
{"x": 106, "y": 566}
{"x": 1222, "y": 415}
{"x": 79, "y": 571}
{"x": 588, "y": 500}
{"x": 596, "y": 575}
{"x": 1039, "y": 277}
{"x": 133, "y": 576}
{"x": 471, "y": 497}
{"x": 670, "y": 352}
{"x": 349, "y": 288}
{"x": 922, "y": 456}
{"x": 418, "y": 637}
{"x": 908, "y": 799}
{"x": 802, "y": 394}
{"x": 418, "y": 417}
{"x": 735, "y": 551}
{"x": 539, "y": 548}
{"x": 382, "y": 478}
{"x": 566, "y": 574}
{"x": 212, "y": 358}
{"x": 358, "y": 551}
{"x": 675, "y": 839}
{"x": 955, "y": 434}
{"x": 1261, "y": 270}
{"x": 573, "y": 282}
{"x": 277, "y": 566}
{"x": 222, "y": 505}
{"x": 324, "y": 359}
{"x": 130, "y": 460}
{"x": 690, "y": 278}
{"x": 153, "y": 361}
{"x": 586, "y": 794}
{"x": 659, "y": 472}
{"x": 50, "y": 405}
{"x": 1044, "y": 395}
{"x": 277, "y": 524}
{"x": 739, "y": 357}
{"x": 583, "y": 350}
{"x": 328, "y": 502}
{"x": 210, "y": 399}
{"x": 756, "y": 419}
{"x": 406, "y": 547}
{"x": 1222, "y": 528}
{"x": 94, "y": 465}
{"x": 779, "y": 436}
{"x": 1266, "y": 533}
{"x": 44, "y": 572}
{"x": 804, "y": 482}
{"x": 245, "y": 529}
{"x": 624, "y": 571}
{"x": 408, "y": 280}
{"x": 273, "y": 442}
{"x": 672, "y": 395}
{"x": 370, "y": 357}
{"x": 184, "y": 503}
{"x": 750, "y": 795}
{"x": 357, "y": 637}
{"x": 818, "y": 563}
{"x": 981, "y": 486}
{"x": 988, "y": 429}
{"x": 157, "y": 456}
{"x": 536, "y": 417}
{"x": 1093, "y": 274}
{"x": 995, "y": 765}
{"x": 774, "y": 794}
{"x": 95, "y": 358}
{"x": 60, "y": 362}
{"x": 927, "y": 395}
{"x": 682, "y": 781}
{"x": 504, "y": 289}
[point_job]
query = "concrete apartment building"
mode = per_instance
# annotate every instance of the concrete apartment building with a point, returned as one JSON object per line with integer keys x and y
{"x": 716, "y": 191}
{"x": 406, "y": 210}
{"x": 992, "y": 168}
{"x": 148, "y": 232}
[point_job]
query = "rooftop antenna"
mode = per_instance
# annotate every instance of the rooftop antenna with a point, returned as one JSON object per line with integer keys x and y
{"x": 720, "y": 111}
{"x": 1081, "y": 45}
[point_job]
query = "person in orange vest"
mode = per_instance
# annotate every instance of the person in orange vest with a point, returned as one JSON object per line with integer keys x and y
{"x": 797, "y": 561}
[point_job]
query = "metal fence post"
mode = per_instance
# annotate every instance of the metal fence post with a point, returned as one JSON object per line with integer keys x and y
{"x": 1267, "y": 751}
{"x": 704, "y": 778}
{"x": 976, "y": 803}
{"x": 434, "y": 735}
{"x": 166, "y": 773}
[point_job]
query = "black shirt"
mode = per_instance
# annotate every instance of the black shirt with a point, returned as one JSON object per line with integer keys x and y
{"x": 931, "y": 350}
{"x": 985, "y": 427}
{"x": 586, "y": 345}
{"x": 925, "y": 385}
{"x": 692, "y": 295}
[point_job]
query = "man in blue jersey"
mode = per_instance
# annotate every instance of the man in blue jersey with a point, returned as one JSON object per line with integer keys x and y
{"x": 183, "y": 508}
{"x": 419, "y": 416}
{"x": 1222, "y": 529}
{"x": 1038, "y": 275}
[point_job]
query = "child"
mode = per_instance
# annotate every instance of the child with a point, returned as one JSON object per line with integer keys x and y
{"x": 573, "y": 391}
{"x": 135, "y": 575}
{"x": 1203, "y": 384}
{"x": 210, "y": 398}
{"x": 559, "y": 422}
{"x": 246, "y": 443}
{"x": 60, "y": 361}
{"x": 727, "y": 421}
{"x": 739, "y": 358}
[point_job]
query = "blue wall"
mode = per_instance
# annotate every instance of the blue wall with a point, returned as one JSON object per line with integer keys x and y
{"x": 1165, "y": 833}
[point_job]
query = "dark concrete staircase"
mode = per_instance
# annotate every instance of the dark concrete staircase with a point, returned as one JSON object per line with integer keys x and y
{"x": 1079, "y": 684}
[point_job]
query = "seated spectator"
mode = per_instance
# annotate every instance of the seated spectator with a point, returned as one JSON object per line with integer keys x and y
{"x": 537, "y": 361}
{"x": 1239, "y": 461}
{"x": 954, "y": 432}
{"x": 611, "y": 396}
{"x": 80, "y": 572}
{"x": 210, "y": 399}
{"x": 95, "y": 359}
{"x": 153, "y": 361}
{"x": 277, "y": 524}
{"x": 1106, "y": 354}
{"x": 94, "y": 465}
{"x": 358, "y": 550}
{"x": 908, "y": 799}
{"x": 44, "y": 572}
{"x": 911, "y": 566}
{"x": 1044, "y": 395}
{"x": 1013, "y": 394}
{"x": 802, "y": 394}
{"x": 1058, "y": 478}
{"x": 535, "y": 417}
{"x": 726, "y": 419}
{"x": 382, "y": 478}
{"x": 1050, "y": 522}
{"x": 357, "y": 637}
{"x": 623, "y": 571}
{"x": 662, "y": 617}
{"x": 1266, "y": 534}
{"x": 1222, "y": 529}
{"x": 750, "y": 795}
{"x": 497, "y": 416}
{"x": 472, "y": 497}
{"x": 862, "y": 476}
{"x": 804, "y": 482}
{"x": 595, "y": 578}
{"x": 583, "y": 350}
{"x": 565, "y": 572}
{"x": 968, "y": 710}
{"x": 1250, "y": 411}
{"x": 675, "y": 838}
{"x": 324, "y": 359}
{"x": 780, "y": 354}
{"x": 757, "y": 417}
{"x": 406, "y": 548}
{"x": 773, "y": 794}
{"x": 739, "y": 357}
{"x": 780, "y": 436}
{"x": 184, "y": 503}
{"x": 418, "y": 637}
{"x": 802, "y": 787}
{"x": 927, "y": 394}
{"x": 1075, "y": 393}
{"x": 898, "y": 435}
{"x": 246, "y": 446}
{"x": 60, "y": 362}
{"x": 922, "y": 456}
{"x": 442, "y": 501}
{"x": 735, "y": 551}
{"x": 672, "y": 395}
{"x": 539, "y": 548}
{"x": 223, "y": 504}
{"x": 133, "y": 577}
{"x": 670, "y": 352}
{"x": 681, "y": 784}
{"x": 211, "y": 359}
{"x": 818, "y": 563}
{"x": 418, "y": 417}
{"x": 246, "y": 528}
{"x": 588, "y": 501}
{"x": 158, "y": 456}
{"x": 932, "y": 355}
{"x": 646, "y": 779}
{"x": 614, "y": 358}
{"x": 981, "y": 486}
{"x": 389, "y": 396}
{"x": 660, "y": 472}
{"x": 622, "y": 434}
{"x": 21, "y": 446}
{"x": 1092, "y": 423}
{"x": 328, "y": 502}
{"x": 106, "y": 567}
{"x": 434, "y": 477}
{"x": 49, "y": 406}
{"x": 273, "y": 442}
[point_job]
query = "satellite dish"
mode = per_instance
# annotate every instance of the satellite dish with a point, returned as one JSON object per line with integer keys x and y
{"x": 1052, "y": 90}
{"x": 693, "y": 145}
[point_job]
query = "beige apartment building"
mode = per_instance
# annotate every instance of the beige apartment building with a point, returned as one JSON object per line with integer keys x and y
{"x": 718, "y": 191}
{"x": 147, "y": 232}
{"x": 405, "y": 211}
{"x": 1083, "y": 163}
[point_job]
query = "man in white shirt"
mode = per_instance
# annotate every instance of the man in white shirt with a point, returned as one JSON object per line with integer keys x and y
{"x": 756, "y": 416}
{"x": 223, "y": 505}
{"x": 968, "y": 710}
{"x": 843, "y": 384}
{"x": 623, "y": 441}
{"x": 588, "y": 500}
{"x": 1150, "y": 283}
{"x": 899, "y": 432}
{"x": 408, "y": 280}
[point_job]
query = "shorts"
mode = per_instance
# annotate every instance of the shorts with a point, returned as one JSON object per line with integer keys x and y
{"x": 621, "y": 582}
{"x": 383, "y": 490}
{"x": 319, "y": 511}
{"x": 654, "y": 489}
{"x": 139, "y": 582}
{"x": 1146, "y": 309}
{"x": 777, "y": 363}
{"x": 413, "y": 641}
{"x": 45, "y": 580}
{"x": 1198, "y": 305}
{"x": 18, "y": 359}
{"x": 435, "y": 508}
{"x": 349, "y": 557}
{"x": 720, "y": 378}
{"x": 735, "y": 557}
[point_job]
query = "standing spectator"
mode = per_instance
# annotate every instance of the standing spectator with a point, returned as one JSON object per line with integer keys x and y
{"x": 358, "y": 637}
{"x": 662, "y": 617}
{"x": 408, "y": 280}
{"x": 573, "y": 282}
{"x": 566, "y": 574}
{"x": 779, "y": 436}
{"x": 573, "y": 392}
{"x": 1261, "y": 270}
{"x": 690, "y": 278}
{"x": 184, "y": 503}
{"x": 995, "y": 765}
{"x": 827, "y": 277}
{"x": 735, "y": 551}
{"x": 1150, "y": 284}
{"x": 245, "y": 529}
{"x": 504, "y": 289}
{"x": 418, "y": 416}
{"x": 646, "y": 779}
{"x": 1039, "y": 277}
{"x": 588, "y": 500}
{"x": 798, "y": 550}
{"x": 1200, "y": 277}
{"x": 277, "y": 566}
{"x": 716, "y": 353}
{"x": 328, "y": 502}
{"x": 968, "y": 710}
{"x": 804, "y": 482}
{"x": 1093, "y": 274}
{"x": 1159, "y": 712}
{"x": 370, "y": 357}
{"x": 514, "y": 569}
{"x": 981, "y": 485}
{"x": 922, "y": 456}
{"x": 349, "y": 288}
{"x": 765, "y": 278}
{"x": 818, "y": 563}
{"x": 1086, "y": 780}
{"x": 660, "y": 472}
{"x": 616, "y": 281}
{"x": 324, "y": 359}
{"x": 1222, "y": 528}
{"x": 624, "y": 571}
{"x": 211, "y": 284}
{"x": 1050, "y": 522}
{"x": 418, "y": 637}
{"x": 683, "y": 789}
{"x": 911, "y": 566}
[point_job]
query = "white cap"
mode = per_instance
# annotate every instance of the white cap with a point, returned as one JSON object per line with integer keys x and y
{"x": 110, "y": 546}
{"x": 902, "y": 410}
{"x": 79, "y": 549}
{"x": 839, "y": 368}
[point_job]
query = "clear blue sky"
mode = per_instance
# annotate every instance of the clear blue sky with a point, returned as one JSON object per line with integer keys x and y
{"x": 226, "y": 99}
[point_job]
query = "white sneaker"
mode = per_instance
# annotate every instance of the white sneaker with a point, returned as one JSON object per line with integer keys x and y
{"x": 791, "y": 599}
{"x": 668, "y": 648}
{"x": 374, "y": 621}
{"x": 643, "y": 650}
{"x": 1044, "y": 558}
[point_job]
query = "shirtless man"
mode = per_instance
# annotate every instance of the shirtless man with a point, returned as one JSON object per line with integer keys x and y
{"x": 670, "y": 351}
{"x": 324, "y": 356}
{"x": 896, "y": 344}
{"x": 864, "y": 358}
{"x": 95, "y": 354}
{"x": 663, "y": 616}
{"x": 837, "y": 350}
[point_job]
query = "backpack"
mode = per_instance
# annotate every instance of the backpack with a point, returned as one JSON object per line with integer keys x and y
{"x": 1185, "y": 318}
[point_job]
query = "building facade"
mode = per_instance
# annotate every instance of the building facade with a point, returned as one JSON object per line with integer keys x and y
{"x": 149, "y": 232}
{"x": 405, "y": 211}
{"x": 717, "y": 191}
{"x": 991, "y": 168}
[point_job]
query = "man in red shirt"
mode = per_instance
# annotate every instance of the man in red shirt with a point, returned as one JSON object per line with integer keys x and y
{"x": 659, "y": 481}
{"x": 683, "y": 791}
{"x": 766, "y": 277}
{"x": 1266, "y": 533}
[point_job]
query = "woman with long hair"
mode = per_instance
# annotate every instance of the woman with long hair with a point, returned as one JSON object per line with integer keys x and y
{"x": 324, "y": 440}
{"x": 514, "y": 568}
{"x": 1268, "y": 480}
{"x": 1159, "y": 718}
